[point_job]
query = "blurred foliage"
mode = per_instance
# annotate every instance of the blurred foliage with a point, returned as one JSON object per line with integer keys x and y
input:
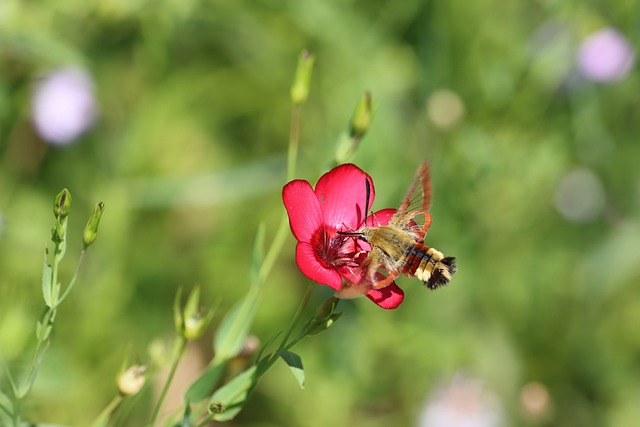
{"x": 188, "y": 154}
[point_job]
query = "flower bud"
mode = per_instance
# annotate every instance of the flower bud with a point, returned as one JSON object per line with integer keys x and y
{"x": 190, "y": 322}
{"x": 362, "y": 117}
{"x": 91, "y": 229}
{"x": 325, "y": 317}
{"x": 62, "y": 204}
{"x": 216, "y": 407}
{"x": 131, "y": 381}
{"x": 302, "y": 78}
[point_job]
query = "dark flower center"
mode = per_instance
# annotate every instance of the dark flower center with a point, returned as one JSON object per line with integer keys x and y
{"x": 334, "y": 250}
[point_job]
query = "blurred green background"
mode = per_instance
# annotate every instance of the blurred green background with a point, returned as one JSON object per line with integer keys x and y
{"x": 536, "y": 191}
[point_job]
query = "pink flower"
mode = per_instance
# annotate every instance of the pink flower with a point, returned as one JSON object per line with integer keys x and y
{"x": 63, "y": 105}
{"x": 316, "y": 217}
{"x": 606, "y": 56}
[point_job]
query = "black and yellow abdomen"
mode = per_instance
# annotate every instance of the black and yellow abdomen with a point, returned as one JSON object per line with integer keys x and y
{"x": 428, "y": 265}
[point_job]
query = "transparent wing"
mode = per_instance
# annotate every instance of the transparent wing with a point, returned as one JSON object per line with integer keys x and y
{"x": 412, "y": 212}
{"x": 418, "y": 195}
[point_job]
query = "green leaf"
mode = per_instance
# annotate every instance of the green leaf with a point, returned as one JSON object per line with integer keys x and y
{"x": 232, "y": 397}
{"x": 234, "y": 328}
{"x": 315, "y": 328}
{"x": 6, "y": 410}
{"x": 203, "y": 386}
{"x": 295, "y": 364}
{"x": 266, "y": 345}
{"x": 258, "y": 253}
{"x": 186, "y": 418}
{"x": 46, "y": 280}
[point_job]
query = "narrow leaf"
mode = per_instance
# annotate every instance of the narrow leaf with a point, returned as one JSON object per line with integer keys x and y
{"x": 235, "y": 326}
{"x": 6, "y": 410}
{"x": 186, "y": 418}
{"x": 46, "y": 280}
{"x": 266, "y": 345}
{"x": 232, "y": 397}
{"x": 295, "y": 364}
{"x": 204, "y": 385}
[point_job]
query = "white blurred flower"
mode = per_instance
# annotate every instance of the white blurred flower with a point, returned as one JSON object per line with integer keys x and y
{"x": 463, "y": 402}
{"x": 605, "y": 56}
{"x": 580, "y": 196}
{"x": 445, "y": 108}
{"x": 63, "y": 105}
{"x": 535, "y": 399}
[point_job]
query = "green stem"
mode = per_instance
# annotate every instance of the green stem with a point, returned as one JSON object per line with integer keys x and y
{"x": 107, "y": 411}
{"x": 182, "y": 344}
{"x": 274, "y": 250}
{"x": 294, "y": 136}
{"x": 297, "y": 316}
{"x": 281, "y": 234}
{"x": 73, "y": 279}
{"x": 38, "y": 355}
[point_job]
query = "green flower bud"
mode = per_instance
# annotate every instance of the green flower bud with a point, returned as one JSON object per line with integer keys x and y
{"x": 62, "y": 204}
{"x": 325, "y": 317}
{"x": 302, "y": 78}
{"x": 190, "y": 322}
{"x": 362, "y": 117}
{"x": 91, "y": 229}
{"x": 216, "y": 407}
{"x": 131, "y": 381}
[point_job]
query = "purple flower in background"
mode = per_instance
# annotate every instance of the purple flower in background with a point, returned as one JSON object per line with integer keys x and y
{"x": 63, "y": 105}
{"x": 605, "y": 56}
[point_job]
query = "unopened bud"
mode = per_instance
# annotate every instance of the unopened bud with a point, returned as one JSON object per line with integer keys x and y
{"x": 362, "y": 117}
{"x": 216, "y": 407}
{"x": 324, "y": 318}
{"x": 131, "y": 381}
{"x": 196, "y": 324}
{"x": 302, "y": 78}
{"x": 62, "y": 204}
{"x": 91, "y": 229}
{"x": 190, "y": 322}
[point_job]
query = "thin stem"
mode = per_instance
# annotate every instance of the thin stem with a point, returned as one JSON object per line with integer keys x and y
{"x": 281, "y": 234}
{"x": 41, "y": 348}
{"x": 73, "y": 279}
{"x": 108, "y": 410}
{"x": 274, "y": 250}
{"x": 182, "y": 344}
{"x": 297, "y": 316}
{"x": 294, "y": 136}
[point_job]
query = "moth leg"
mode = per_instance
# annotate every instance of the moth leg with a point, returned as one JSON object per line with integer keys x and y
{"x": 386, "y": 281}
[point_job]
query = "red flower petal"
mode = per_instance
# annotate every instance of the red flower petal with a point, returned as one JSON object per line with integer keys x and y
{"x": 311, "y": 267}
{"x": 342, "y": 194}
{"x": 381, "y": 217}
{"x": 305, "y": 214}
{"x": 388, "y": 297}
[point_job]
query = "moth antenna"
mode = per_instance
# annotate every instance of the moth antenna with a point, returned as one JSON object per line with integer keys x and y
{"x": 367, "y": 189}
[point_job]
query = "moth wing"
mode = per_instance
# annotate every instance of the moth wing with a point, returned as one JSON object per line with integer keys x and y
{"x": 412, "y": 212}
{"x": 418, "y": 195}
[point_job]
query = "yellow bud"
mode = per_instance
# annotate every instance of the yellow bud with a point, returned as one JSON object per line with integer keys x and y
{"x": 131, "y": 381}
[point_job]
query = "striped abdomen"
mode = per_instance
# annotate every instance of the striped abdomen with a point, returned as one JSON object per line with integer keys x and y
{"x": 428, "y": 265}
